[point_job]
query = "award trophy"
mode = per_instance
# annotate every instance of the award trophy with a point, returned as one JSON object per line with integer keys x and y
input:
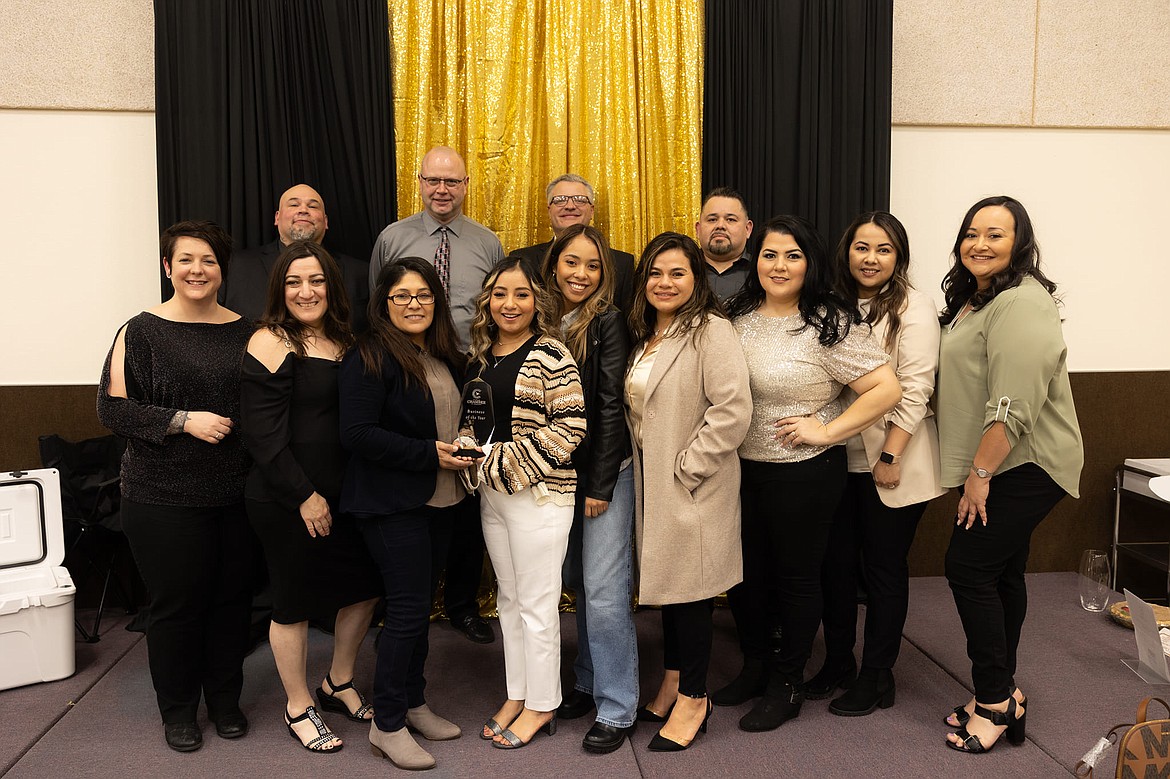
{"x": 477, "y": 418}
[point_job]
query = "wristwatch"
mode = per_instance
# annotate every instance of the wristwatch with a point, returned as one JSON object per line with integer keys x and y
{"x": 890, "y": 459}
{"x": 982, "y": 473}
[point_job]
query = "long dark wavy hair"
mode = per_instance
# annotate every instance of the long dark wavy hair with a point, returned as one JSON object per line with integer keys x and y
{"x": 384, "y": 340}
{"x": 694, "y": 314}
{"x": 577, "y": 337}
{"x": 890, "y": 300}
{"x": 821, "y": 304}
{"x": 484, "y": 329}
{"x": 280, "y": 321}
{"x": 960, "y": 287}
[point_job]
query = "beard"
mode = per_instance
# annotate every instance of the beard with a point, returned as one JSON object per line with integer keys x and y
{"x": 301, "y": 233}
{"x": 720, "y": 249}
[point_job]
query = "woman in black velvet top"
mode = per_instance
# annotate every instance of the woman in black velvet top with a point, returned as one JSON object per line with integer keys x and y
{"x": 170, "y": 386}
{"x": 317, "y": 561}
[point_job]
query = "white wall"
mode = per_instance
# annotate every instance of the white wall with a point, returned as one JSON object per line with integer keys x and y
{"x": 1098, "y": 202}
{"x": 80, "y": 210}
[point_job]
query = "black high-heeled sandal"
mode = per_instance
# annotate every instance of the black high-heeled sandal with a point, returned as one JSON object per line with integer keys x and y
{"x": 961, "y": 716}
{"x": 1014, "y": 729}
{"x": 660, "y": 743}
{"x": 330, "y": 701}
{"x": 324, "y": 735}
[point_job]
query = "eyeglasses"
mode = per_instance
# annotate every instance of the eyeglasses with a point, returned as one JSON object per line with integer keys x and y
{"x": 433, "y": 181}
{"x": 563, "y": 200}
{"x": 404, "y": 298}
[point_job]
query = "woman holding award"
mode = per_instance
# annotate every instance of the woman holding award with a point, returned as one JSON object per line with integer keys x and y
{"x": 399, "y": 408}
{"x": 528, "y": 487}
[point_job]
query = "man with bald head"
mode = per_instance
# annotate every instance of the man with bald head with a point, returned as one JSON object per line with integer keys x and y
{"x": 462, "y": 249}
{"x": 571, "y": 201}
{"x": 300, "y": 216}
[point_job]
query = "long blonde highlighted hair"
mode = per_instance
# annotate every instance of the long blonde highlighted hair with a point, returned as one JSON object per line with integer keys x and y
{"x": 484, "y": 329}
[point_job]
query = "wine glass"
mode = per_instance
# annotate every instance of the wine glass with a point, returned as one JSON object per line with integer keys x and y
{"x": 1094, "y": 580}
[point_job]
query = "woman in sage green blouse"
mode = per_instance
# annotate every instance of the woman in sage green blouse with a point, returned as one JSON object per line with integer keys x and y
{"x": 1009, "y": 441}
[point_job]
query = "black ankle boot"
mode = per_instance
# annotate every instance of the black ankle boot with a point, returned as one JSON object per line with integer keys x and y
{"x": 833, "y": 674}
{"x": 750, "y": 683}
{"x": 781, "y": 702}
{"x": 874, "y": 687}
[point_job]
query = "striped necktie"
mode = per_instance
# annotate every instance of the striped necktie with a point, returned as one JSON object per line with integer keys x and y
{"x": 443, "y": 259}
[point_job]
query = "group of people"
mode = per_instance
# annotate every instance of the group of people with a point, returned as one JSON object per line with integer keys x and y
{"x": 767, "y": 424}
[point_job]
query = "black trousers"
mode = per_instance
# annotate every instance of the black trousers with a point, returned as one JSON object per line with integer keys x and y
{"x": 457, "y": 546}
{"x": 196, "y": 564}
{"x": 686, "y": 643}
{"x": 401, "y": 547}
{"x": 985, "y": 568}
{"x": 880, "y": 536}
{"x": 788, "y": 513}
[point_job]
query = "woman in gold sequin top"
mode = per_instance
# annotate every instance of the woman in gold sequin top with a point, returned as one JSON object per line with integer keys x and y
{"x": 803, "y": 345}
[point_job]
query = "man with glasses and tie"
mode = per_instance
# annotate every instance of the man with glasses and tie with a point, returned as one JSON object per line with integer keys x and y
{"x": 463, "y": 251}
{"x": 570, "y": 201}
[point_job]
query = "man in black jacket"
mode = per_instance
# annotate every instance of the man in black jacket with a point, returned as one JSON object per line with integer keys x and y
{"x": 300, "y": 216}
{"x": 570, "y": 201}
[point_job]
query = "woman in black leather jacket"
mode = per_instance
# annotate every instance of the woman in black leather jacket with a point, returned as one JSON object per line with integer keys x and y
{"x": 578, "y": 271}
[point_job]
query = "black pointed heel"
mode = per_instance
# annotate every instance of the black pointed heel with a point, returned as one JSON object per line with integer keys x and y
{"x": 660, "y": 743}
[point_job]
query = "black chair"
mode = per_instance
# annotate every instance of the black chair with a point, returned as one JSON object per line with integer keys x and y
{"x": 91, "y": 511}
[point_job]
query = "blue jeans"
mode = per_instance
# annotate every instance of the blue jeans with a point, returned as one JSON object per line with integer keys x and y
{"x": 599, "y": 568}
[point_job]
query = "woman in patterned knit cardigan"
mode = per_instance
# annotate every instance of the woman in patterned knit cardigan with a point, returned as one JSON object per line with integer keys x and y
{"x": 528, "y": 488}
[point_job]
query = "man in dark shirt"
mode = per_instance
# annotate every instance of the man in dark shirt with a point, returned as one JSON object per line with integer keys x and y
{"x": 723, "y": 230}
{"x": 300, "y": 216}
{"x": 570, "y": 201}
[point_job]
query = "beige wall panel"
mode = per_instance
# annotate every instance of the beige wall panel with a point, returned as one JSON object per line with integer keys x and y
{"x": 1103, "y": 63}
{"x": 961, "y": 63}
{"x": 96, "y": 54}
{"x": 1097, "y": 202}
{"x": 81, "y": 230}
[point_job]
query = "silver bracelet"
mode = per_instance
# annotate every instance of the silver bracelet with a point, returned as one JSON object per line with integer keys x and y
{"x": 177, "y": 422}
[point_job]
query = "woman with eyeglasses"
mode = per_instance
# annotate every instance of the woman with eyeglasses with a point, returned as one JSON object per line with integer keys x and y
{"x": 399, "y": 417}
{"x": 317, "y": 563}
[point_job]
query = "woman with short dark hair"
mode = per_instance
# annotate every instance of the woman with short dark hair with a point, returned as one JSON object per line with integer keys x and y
{"x": 171, "y": 387}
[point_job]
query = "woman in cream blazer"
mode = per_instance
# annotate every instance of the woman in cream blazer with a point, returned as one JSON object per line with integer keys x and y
{"x": 688, "y": 405}
{"x": 893, "y": 473}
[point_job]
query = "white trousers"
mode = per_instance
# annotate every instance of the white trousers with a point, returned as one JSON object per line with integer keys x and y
{"x": 527, "y": 545}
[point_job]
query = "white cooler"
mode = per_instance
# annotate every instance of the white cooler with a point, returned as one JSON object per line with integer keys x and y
{"x": 36, "y": 591}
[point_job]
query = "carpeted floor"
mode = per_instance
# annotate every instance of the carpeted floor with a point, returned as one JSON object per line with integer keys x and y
{"x": 102, "y": 722}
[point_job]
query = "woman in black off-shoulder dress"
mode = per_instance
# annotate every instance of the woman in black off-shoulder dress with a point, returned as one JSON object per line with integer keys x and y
{"x": 317, "y": 561}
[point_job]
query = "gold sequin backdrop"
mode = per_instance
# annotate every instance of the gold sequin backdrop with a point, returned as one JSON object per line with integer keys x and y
{"x": 526, "y": 91}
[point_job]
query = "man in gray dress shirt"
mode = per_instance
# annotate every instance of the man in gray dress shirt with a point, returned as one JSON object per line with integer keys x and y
{"x": 474, "y": 249}
{"x": 470, "y": 252}
{"x": 723, "y": 230}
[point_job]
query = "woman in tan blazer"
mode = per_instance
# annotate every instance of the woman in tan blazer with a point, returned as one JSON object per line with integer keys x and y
{"x": 688, "y": 405}
{"x": 893, "y": 473}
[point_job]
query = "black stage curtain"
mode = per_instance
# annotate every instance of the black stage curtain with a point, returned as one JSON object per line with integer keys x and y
{"x": 796, "y": 106}
{"x": 253, "y": 96}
